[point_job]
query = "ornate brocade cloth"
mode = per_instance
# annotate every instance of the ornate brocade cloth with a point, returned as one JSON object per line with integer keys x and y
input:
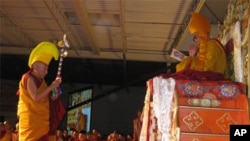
{"x": 209, "y": 89}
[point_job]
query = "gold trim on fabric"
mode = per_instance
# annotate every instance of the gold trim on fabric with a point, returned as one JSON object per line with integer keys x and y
{"x": 224, "y": 122}
{"x": 193, "y": 120}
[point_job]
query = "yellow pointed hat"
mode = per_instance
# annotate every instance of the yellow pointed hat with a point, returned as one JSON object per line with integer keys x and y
{"x": 43, "y": 52}
{"x": 199, "y": 24}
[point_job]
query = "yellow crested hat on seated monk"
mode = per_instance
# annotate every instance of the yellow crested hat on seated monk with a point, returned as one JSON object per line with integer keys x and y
{"x": 199, "y": 24}
{"x": 43, "y": 52}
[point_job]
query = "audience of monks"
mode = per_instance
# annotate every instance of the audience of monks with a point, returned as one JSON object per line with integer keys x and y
{"x": 9, "y": 133}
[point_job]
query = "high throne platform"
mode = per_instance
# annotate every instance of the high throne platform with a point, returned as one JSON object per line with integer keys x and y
{"x": 198, "y": 109}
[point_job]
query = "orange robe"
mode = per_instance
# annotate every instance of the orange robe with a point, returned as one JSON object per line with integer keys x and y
{"x": 5, "y": 136}
{"x": 33, "y": 115}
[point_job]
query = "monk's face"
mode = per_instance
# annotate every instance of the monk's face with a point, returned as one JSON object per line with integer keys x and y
{"x": 41, "y": 69}
{"x": 196, "y": 39}
{"x": 193, "y": 49}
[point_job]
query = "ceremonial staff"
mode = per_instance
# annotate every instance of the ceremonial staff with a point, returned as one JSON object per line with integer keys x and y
{"x": 63, "y": 44}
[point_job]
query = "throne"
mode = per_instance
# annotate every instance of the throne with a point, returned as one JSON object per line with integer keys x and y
{"x": 206, "y": 109}
{"x": 183, "y": 109}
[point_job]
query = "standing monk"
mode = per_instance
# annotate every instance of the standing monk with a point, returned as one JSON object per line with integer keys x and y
{"x": 34, "y": 94}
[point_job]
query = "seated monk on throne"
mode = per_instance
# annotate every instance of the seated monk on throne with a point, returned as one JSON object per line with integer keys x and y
{"x": 170, "y": 111}
{"x": 210, "y": 54}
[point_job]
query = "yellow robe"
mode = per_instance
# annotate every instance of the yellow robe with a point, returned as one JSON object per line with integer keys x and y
{"x": 33, "y": 116}
{"x": 213, "y": 59}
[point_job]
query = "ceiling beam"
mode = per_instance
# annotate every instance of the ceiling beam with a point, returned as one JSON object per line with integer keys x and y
{"x": 110, "y": 55}
{"x": 123, "y": 38}
{"x": 11, "y": 26}
{"x": 72, "y": 36}
{"x": 211, "y": 11}
{"x": 123, "y": 29}
{"x": 197, "y": 5}
{"x": 82, "y": 15}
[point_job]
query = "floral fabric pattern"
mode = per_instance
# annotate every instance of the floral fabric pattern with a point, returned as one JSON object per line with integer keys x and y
{"x": 201, "y": 88}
